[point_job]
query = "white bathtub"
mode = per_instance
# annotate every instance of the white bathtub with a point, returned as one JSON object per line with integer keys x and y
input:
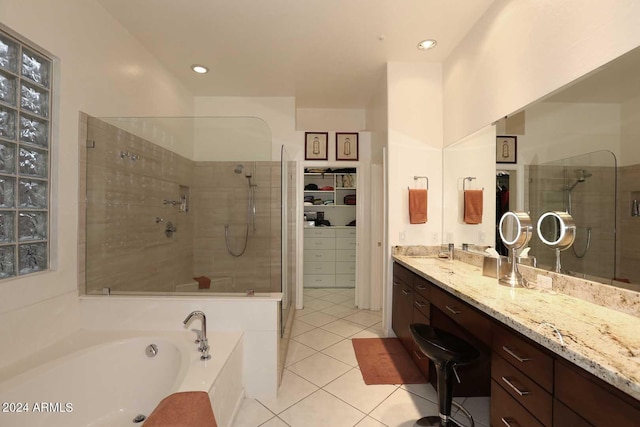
{"x": 106, "y": 379}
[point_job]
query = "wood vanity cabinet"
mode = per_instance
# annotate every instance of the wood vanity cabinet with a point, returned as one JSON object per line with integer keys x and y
{"x": 529, "y": 385}
{"x": 524, "y": 372}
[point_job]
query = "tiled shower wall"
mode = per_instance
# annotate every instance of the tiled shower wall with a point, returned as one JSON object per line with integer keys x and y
{"x": 126, "y": 247}
{"x": 128, "y": 179}
{"x": 628, "y": 247}
{"x": 592, "y": 206}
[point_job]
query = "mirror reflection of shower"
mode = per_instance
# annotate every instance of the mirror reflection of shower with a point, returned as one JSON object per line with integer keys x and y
{"x": 251, "y": 210}
{"x": 580, "y": 176}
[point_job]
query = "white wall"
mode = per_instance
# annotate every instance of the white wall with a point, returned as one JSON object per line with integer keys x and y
{"x": 321, "y": 119}
{"x": 473, "y": 156}
{"x": 521, "y": 50}
{"x": 278, "y": 113}
{"x": 102, "y": 71}
{"x": 414, "y": 149}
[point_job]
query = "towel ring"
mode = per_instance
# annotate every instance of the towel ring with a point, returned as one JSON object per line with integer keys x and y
{"x": 464, "y": 182}
{"x": 415, "y": 178}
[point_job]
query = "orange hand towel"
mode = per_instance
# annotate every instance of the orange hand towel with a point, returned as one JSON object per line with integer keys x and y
{"x": 473, "y": 206}
{"x": 203, "y": 282}
{"x": 418, "y": 206}
{"x": 185, "y": 409}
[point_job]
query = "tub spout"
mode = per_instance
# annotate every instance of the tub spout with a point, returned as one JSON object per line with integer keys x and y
{"x": 204, "y": 343}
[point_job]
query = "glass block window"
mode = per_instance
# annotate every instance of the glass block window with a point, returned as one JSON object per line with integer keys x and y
{"x": 25, "y": 132}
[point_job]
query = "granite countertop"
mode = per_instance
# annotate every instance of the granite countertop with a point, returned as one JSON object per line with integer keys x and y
{"x": 603, "y": 341}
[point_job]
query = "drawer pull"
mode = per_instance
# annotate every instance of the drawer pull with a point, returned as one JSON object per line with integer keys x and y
{"x": 396, "y": 283}
{"x": 514, "y": 388}
{"x": 452, "y": 310}
{"x": 513, "y": 354}
{"x": 406, "y": 292}
{"x": 419, "y": 304}
{"x": 421, "y": 287}
{"x": 509, "y": 422}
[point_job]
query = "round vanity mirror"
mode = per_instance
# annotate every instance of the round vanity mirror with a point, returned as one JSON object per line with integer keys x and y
{"x": 515, "y": 230}
{"x": 558, "y": 231}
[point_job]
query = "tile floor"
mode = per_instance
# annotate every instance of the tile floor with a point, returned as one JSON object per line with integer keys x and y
{"x": 322, "y": 385}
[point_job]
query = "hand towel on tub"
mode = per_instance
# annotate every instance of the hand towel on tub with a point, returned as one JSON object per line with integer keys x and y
{"x": 203, "y": 282}
{"x": 184, "y": 409}
{"x": 473, "y": 206}
{"x": 418, "y": 205}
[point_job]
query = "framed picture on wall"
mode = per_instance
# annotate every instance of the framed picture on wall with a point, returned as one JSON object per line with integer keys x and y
{"x": 506, "y": 149}
{"x": 315, "y": 147}
{"x": 346, "y": 146}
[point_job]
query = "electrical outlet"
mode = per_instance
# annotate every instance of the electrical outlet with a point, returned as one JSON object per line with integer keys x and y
{"x": 449, "y": 237}
{"x": 434, "y": 237}
{"x": 402, "y": 236}
{"x": 544, "y": 282}
{"x": 482, "y": 236}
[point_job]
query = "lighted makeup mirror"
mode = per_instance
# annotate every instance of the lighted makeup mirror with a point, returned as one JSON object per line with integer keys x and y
{"x": 515, "y": 230}
{"x": 558, "y": 231}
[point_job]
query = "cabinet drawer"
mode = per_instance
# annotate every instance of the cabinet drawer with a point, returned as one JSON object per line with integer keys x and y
{"x": 346, "y": 232}
{"x": 318, "y": 243}
{"x": 319, "y": 281}
{"x": 421, "y": 304}
{"x": 523, "y": 389}
{"x": 418, "y": 357}
{"x": 320, "y": 232}
{"x": 403, "y": 274}
{"x": 506, "y": 412}
{"x": 319, "y": 268}
{"x": 345, "y": 280}
{"x": 346, "y": 255}
{"x": 597, "y": 402}
{"x": 311, "y": 255}
{"x": 563, "y": 416}
{"x": 345, "y": 243}
{"x": 345, "y": 267}
{"x": 476, "y": 323}
{"x": 421, "y": 286}
{"x": 524, "y": 355}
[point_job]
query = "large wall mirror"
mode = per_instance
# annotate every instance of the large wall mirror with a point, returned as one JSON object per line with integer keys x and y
{"x": 578, "y": 151}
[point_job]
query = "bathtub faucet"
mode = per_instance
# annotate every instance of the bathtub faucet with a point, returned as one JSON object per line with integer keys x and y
{"x": 204, "y": 343}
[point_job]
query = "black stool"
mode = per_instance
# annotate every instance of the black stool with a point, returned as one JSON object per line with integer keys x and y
{"x": 446, "y": 351}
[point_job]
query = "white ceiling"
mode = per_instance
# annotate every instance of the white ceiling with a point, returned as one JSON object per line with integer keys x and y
{"x": 326, "y": 53}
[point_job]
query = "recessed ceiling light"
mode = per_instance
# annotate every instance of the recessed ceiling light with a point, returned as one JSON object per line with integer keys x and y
{"x": 200, "y": 69}
{"x": 427, "y": 44}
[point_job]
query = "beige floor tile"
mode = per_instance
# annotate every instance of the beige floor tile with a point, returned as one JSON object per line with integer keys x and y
{"x": 252, "y": 414}
{"x": 423, "y": 390}
{"x": 340, "y": 310}
{"x": 479, "y": 409}
{"x": 368, "y": 333}
{"x": 300, "y": 327}
{"x": 351, "y": 388}
{"x": 275, "y": 422}
{"x": 343, "y": 351}
{"x": 318, "y": 304}
{"x": 318, "y": 318}
{"x": 337, "y": 298}
{"x": 363, "y": 318}
{"x": 403, "y": 409}
{"x": 293, "y": 389}
{"x": 303, "y": 312}
{"x": 318, "y": 339}
{"x": 319, "y": 369}
{"x": 343, "y": 328}
{"x": 369, "y": 422}
{"x": 351, "y": 302}
{"x": 297, "y": 352}
{"x": 316, "y": 292}
{"x": 322, "y": 410}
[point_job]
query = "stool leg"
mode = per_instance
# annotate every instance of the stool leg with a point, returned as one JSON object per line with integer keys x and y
{"x": 445, "y": 391}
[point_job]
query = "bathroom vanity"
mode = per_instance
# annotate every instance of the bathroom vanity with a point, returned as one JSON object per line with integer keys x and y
{"x": 548, "y": 359}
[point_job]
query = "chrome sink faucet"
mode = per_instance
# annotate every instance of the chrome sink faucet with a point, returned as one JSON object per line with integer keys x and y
{"x": 204, "y": 343}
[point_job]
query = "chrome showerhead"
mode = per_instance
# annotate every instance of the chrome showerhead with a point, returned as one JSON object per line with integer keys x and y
{"x": 582, "y": 174}
{"x": 238, "y": 169}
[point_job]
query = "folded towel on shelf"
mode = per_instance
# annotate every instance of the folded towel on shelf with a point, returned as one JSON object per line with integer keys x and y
{"x": 203, "y": 282}
{"x": 184, "y": 409}
{"x": 418, "y": 199}
{"x": 473, "y": 206}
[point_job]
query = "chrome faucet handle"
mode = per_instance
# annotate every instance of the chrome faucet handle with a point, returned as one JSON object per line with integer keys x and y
{"x": 198, "y": 335}
{"x": 204, "y": 349}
